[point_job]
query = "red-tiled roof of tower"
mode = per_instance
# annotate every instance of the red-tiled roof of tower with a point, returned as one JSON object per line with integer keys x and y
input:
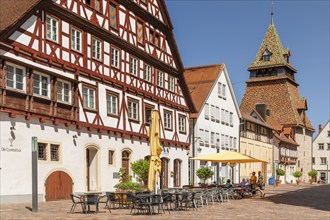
{"x": 200, "y": 81}
{"x": 12, "y": 11}
{"x": 285, "y": 139}
{"x": 249, "y": 117}
{"x": 278, "y": 54}
{"x": 274, "y": 123}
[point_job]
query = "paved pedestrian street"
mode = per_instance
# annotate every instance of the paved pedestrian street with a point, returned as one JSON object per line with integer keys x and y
{"x": 284, "y": 202}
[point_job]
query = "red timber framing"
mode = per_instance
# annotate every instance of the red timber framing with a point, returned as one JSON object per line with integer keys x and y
{"x": 80, "y": 64}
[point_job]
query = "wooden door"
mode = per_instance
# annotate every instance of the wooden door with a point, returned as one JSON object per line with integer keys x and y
{"x": 164, "y": 174}
{"x": 58, "y": 186}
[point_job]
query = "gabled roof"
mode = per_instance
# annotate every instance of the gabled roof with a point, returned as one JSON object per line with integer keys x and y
{"x": 327, "y": 125}
{"x": 258, "y": 121}
{"x": 12, "y": 11}
{"x": 285, "y": 139}
{"x": 202, "y": 79}
{"x": 273, "y": 44}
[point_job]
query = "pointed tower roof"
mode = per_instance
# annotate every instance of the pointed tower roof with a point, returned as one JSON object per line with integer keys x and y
{"x": 271, "y": 45}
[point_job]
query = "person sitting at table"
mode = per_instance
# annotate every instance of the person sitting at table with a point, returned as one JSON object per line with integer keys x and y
{"x": 243, "y": 182}
{"x": 228, "y": 183}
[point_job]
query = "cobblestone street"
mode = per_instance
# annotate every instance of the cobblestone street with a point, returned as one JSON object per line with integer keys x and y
{"x": 283, "y": 202}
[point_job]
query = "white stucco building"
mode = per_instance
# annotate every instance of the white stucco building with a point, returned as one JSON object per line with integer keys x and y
{"x": 321, "y": 153}
{"x": 215, "y": 127}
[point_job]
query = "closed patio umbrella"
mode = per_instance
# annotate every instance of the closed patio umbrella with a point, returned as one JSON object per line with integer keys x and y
{"x": 155, "y": 151}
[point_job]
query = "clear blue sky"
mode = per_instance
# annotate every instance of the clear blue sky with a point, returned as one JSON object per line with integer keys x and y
{"x": 230, "y": 32}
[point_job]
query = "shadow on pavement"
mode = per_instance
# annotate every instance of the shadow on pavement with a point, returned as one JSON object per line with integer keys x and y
{"x": 317, "y": 197}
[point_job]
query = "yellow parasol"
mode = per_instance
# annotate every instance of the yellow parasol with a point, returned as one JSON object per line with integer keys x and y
{"x": 155, "y": 163}
{"x": 228, "y": 157}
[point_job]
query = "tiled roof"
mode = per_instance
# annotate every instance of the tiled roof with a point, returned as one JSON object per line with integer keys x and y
{"x": 11, "y": 11}
{"x": 273, "y": 44}
{"x": 284, "y": 138}
{"x": 200, "y": 81}
{"x": 249, "y": 117}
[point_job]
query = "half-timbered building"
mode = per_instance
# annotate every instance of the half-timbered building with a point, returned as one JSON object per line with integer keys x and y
{"x": 83, "y": 77}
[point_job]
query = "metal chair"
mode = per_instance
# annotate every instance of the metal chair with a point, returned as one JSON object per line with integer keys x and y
{"x": 76, "y": 200}
{"x": 91, "y": 199}
{"x": 105, "y": 199}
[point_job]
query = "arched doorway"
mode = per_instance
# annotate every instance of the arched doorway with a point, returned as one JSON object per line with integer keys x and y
{"x": 125, "y": 163}
{"x": 92, "y": 169}
{"x": 58, "y": 186}
{"x": 164, "y": 173}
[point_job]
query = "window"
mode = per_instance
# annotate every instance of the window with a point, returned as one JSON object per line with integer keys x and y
{"x": 160, "y": 76}
{"x": 15, "y": 77}
{"x": 231, "y": 142}
{"x": 222, "y": 141}
{"x": 113, "y": 16}
{"x": 328, "y": 146}
{"x": 96, "y": 4}
{"x": 177, "y": 173}
{"x": 235, "y": 143}
{"x": 182, "y": 123}
{"x": 212, "y": 138}
{"x": 226, "y": 141}
{"x": 76, "y": 38}
{"x": 266, "y": 55}
{"x": 223, "y": 91}
{"x": 223, "y": 116}
{"x": 217, "y": 114}
{"x": 112, "y": 104}
{"x": 96, "y": 49}
{"x": 63, "y": 91}
{"x": 139, "y": 32}
{"x": 54, "y": 152}
{"x": 171, "y": 83}
{"x": 226, "y": 117}
{"x": 201, "y": 135}
{"x": 52, "y": 28}
{"x": 111, "y": 157}
{"x": 133, "y": 109}
{"x": 231, "y": 120}
{"x": 207, "y": 111}
{"x": 323, "y": 160}
{"x": 329, "y": 133}
{"x": 115, "y": 57}
{"x": 151, "y": 37}
{"x": 133, "y": 66}
{"x": 42, "y": 151}
{"x": 89, "y": 97}
{"x": 321, "y": 146}
{"x": 41, "y": 85}
{"x": 219, "y": 89}
{"x": 313, "y": 160}
{"x": 157, "y": 40}
{"x": 217, "y": 139}
{"x": 212, "y": 112}
{"x": 148, "y": 110}
{"x": 207, "y": 137}
{"x": 147, "y": 73}
{"x": 168, "y": 120}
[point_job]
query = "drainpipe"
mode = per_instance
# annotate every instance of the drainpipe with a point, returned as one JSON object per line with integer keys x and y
{"x": 192, "y": 175}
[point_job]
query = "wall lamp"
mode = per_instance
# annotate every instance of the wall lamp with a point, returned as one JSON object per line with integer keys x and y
{"x": 199, "y": 149}
{"x": 12, "y": 128}
{"x": 75, "y": 136}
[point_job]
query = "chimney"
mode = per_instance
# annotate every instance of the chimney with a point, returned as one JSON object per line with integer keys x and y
{"x": 320, "y": 128}
{"x": 262, "y": 110}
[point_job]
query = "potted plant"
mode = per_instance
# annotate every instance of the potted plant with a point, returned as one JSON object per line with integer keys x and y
{"x": 313, "y": 175}
{"x": 297, "y": 175}
{"x": 125, "y": 185}
{"x": 204, "y": 173}
{"x": 279, "y": 172}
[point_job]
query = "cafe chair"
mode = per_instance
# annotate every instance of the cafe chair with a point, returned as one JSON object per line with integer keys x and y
{"x": 76, "y": 200}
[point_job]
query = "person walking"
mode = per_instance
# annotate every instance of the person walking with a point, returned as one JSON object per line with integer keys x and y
{"x": 253, "y": 182}
{"x": 261, "y": 184}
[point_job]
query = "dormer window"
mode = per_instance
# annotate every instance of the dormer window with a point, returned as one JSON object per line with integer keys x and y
{"x": 266, "y": 55}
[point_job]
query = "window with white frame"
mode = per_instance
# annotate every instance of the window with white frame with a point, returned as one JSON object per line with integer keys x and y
{"x": 231, "y": 145}
{"x": 89, "y": 97}
{"x": 182, "y": 123}
{"x": 217, "y": 139}
{"x": 41, "y": 85}
{"x": 235, "y": 142}
{"x": 207, "y": 137}
{"x": 15, "y": 77}
{"x": 224, "y": 91}
{"x": 133, "y": 109}
{"x": 76, "y": 39}
{"x": 219, "y": 89}
{"x": 112, "y": 103}
{"x": 323, "y": 160}
{"x": 148, "y": 73}
{"x": 207, "y": 111}
{"x": 168, "y": 120}
{"x": 321, "y": 146}
{"x": 133, "y": 66}
{"x": 96, "y": 49}
{"x": 63, "y": 91}
{"x": 42, "y": 151}
{"x": 52, "y": 28}
{"x": 231, "y": 119}
{"x": 223, "y": 121}
{"x": 201, "y": 135}
{"x": 147, "y": 113}
{"x": 222, "y": 141}
{"x": 329, "y": 133}
{"x": 212, "y": 138}
{"x": 160, "y": 78}
{"x": 115, "y": 58}
{"x": 227, "y": 117}
{"x": 212, "y": 112}
{"x": 227, "y": 141}
{"x": 217, "y": 114}
{"x": 171, "y": 83}
{"x": 328, "y": 146}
